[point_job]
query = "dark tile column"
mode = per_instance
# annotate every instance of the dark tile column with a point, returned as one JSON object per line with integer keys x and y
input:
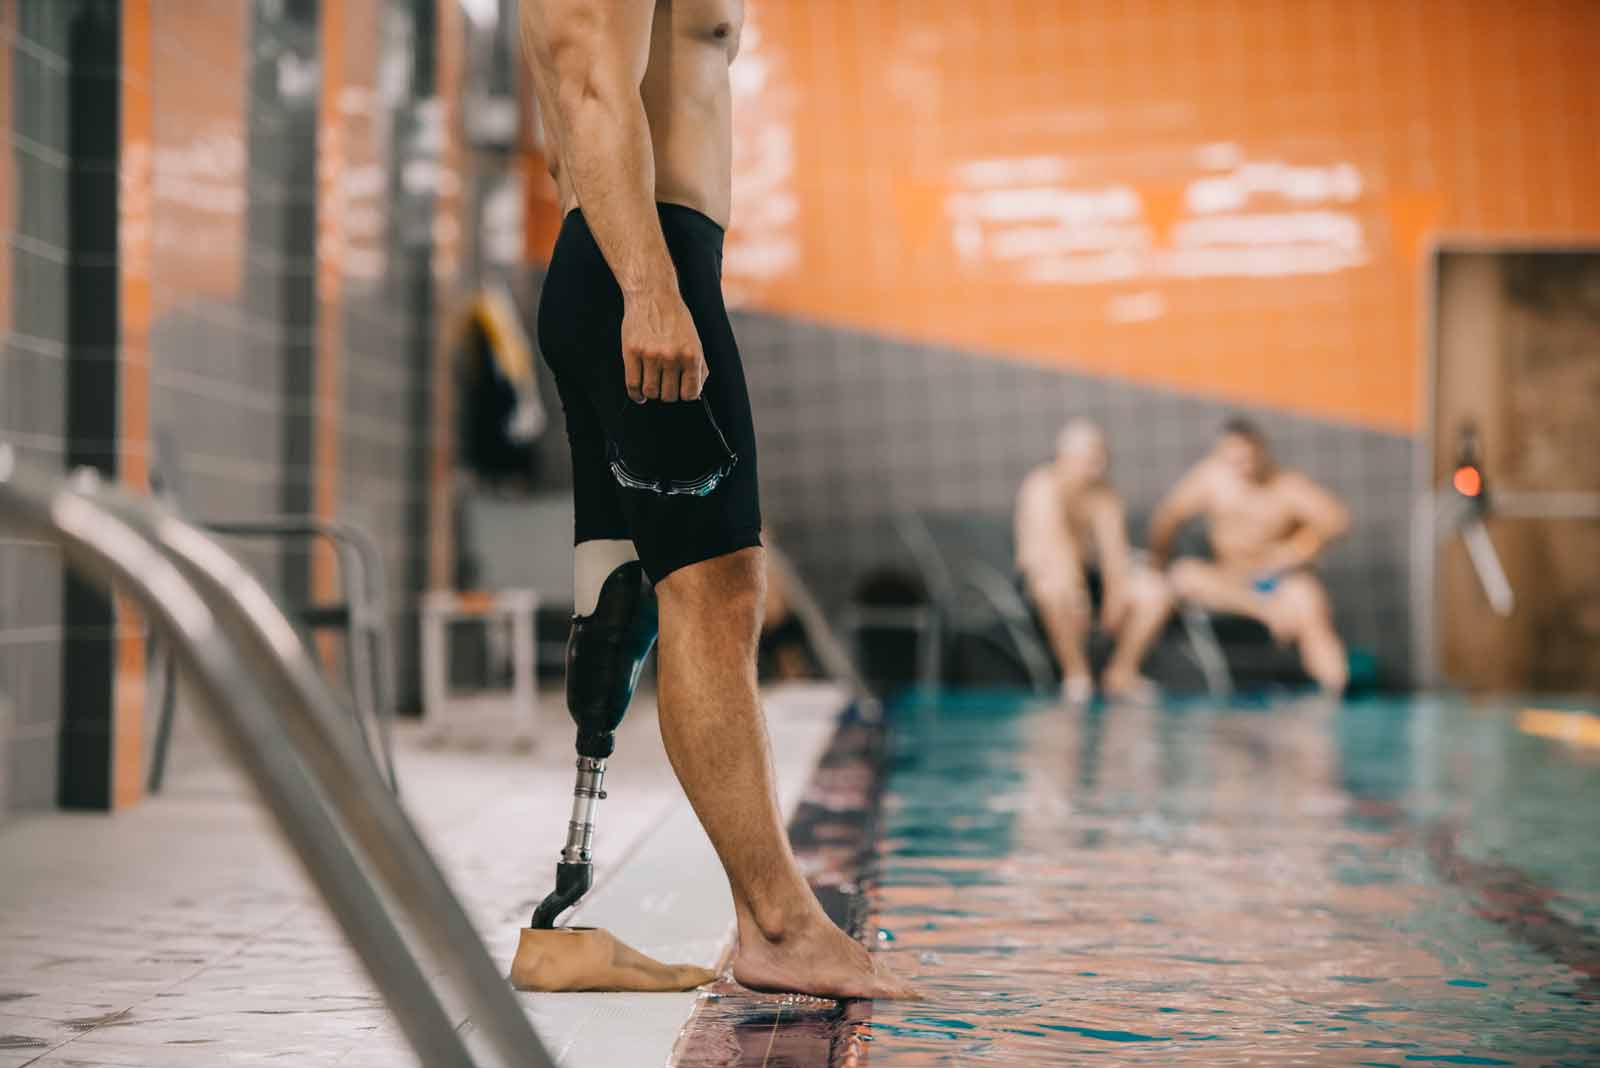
{"x": 280, "y": 274}
{"x": 414, "y": 262}
{"x": 89, "y": 33}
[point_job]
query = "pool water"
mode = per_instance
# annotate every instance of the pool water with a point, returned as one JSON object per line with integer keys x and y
{"x": 1383, "y": 882}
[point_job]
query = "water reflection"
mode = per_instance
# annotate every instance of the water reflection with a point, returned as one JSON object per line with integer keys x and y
{"x": 1377, "y": 883}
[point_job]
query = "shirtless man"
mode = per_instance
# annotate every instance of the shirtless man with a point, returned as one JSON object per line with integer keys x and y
{"x": 1268, "y": 526}
{"x": 635, "y": 100}
{"x": 1069, "y": 519}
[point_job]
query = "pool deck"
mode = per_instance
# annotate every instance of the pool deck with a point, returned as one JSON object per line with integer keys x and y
{"x": 182, "y": 933}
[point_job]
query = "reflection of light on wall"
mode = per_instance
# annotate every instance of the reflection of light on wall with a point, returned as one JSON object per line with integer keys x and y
{"x": 763, "y": 244}
{"x": 1036, "y": 221}
{"x": 1286, "y": 228}
{"x": 204, "y": 175}
{"x": 1219, "y": 155}
{"x": 1088, "y": 270}
{"x": 1026, "y": 242}
{"x": 1022, "y": 212}
{"x": 1258, "y": 262}
{"x": 197, "y": 199}
{"x": 362, "y": 204}
{"x": 1112, "y": 204}
{"x": 1028, "y": 170}
{"x": 500, "y": 236}
{"x": 1136, "y": 307}
{"x": 1339, "y": 182}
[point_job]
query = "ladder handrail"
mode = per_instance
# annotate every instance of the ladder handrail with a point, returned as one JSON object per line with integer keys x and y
{"x": 107, "y": 535}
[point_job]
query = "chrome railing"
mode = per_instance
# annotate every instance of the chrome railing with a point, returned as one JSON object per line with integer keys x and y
{"x": 286, "y": 729}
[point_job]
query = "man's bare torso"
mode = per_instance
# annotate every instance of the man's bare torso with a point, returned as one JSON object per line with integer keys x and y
{"x": 1248, "y": 518}
{"x": 687, "y": 103}
{"x": 1049, "y": 515}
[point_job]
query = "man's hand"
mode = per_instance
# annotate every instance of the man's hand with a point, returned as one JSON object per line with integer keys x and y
{"x": 661, "y": 354}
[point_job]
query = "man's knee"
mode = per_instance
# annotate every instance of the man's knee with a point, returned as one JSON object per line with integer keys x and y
{"x": 1301, "y": 607}
{"x": 1151, "y": 591}
{"x": 730, "y": 588}
{"x": 1304, "y": 599}
{"x": 1187, "y": 579}
{"x": 1057, "y": 593}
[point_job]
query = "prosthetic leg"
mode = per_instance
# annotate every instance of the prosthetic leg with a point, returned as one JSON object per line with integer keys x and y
{"x": 606, "y": 651}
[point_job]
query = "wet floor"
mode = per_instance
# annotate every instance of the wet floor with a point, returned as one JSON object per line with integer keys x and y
{"x": 1392, "y": 883}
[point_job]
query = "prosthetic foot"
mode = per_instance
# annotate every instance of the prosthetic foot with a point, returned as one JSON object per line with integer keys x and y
{"x": 605, "y": 653}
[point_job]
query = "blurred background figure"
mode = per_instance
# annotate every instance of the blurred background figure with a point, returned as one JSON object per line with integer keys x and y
{"x": 1073, "y": 554}
{"x": 1268, "y": 525}
{"x": 785, "y": 650}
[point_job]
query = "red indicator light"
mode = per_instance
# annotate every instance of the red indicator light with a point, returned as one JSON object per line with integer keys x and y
{"x": 1468, "y": 481}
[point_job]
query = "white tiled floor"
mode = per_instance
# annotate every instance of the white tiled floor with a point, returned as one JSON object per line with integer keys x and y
{"x": 182, "y": 934}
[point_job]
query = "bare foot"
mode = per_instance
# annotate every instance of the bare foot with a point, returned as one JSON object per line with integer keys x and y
{"x": 817, "y": 959}
{"x": 1132, "y": 688}
{"x": 1077, "y": 689}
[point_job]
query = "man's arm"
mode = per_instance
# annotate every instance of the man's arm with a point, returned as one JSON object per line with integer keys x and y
{"x": 1110, "y": 528}
{"x": 1046, "y": 555}
{"x": 1321, "y": 516}
{"x": 599, "y": 52}
{"x": 1183, "y": 502}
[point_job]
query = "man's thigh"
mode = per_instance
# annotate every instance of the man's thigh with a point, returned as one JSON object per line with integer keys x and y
{"x": 1301, "y": 596}
{"x": 1207, "y": 584}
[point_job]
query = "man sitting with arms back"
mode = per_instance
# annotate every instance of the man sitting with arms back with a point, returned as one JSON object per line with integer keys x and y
{"x": 1268, "y": 526}
{"x": 1070, "y": 533}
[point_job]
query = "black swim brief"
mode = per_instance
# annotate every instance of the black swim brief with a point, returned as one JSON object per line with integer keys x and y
{"x": 677, "y": 479}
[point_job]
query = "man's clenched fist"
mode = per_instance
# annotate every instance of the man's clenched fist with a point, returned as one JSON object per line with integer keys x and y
{"x": 661, "y": 355}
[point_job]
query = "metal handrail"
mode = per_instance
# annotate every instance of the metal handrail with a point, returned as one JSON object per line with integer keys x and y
{"x": 372, "y": 686}
{"x": 159, "y": 560}
{"x": 1008, "y": 607}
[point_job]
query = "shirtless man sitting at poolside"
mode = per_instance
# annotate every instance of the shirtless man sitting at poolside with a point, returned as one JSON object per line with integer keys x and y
{"x": 1268, "y": 526}
{"x": 1070, "y": 533}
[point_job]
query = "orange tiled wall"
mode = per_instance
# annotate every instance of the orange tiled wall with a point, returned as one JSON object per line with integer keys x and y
{"x": 1229, "y": 198}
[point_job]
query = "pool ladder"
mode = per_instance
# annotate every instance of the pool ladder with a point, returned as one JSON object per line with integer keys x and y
{"x": 286, "y": 729}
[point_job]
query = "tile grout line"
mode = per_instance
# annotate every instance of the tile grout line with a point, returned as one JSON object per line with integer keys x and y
{"x": 201, "y": 969}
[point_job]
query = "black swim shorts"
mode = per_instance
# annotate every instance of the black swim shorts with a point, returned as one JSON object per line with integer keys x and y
{"x": 677, "y": 479}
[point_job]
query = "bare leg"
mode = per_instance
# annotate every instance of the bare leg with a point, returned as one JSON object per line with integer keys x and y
{"x": 715, "y": 736}
{"x": 1064, "y": 610}
{"x": 1209, "y": 586}
{"x": 1152, "y": 604}
{"x": 1305, "y": 604}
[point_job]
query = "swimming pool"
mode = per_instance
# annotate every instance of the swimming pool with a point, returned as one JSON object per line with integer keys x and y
{"x": 1384, "y": 882}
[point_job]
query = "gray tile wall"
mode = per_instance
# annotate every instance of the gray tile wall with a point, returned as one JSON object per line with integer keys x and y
{"x": 33, "y": 347}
